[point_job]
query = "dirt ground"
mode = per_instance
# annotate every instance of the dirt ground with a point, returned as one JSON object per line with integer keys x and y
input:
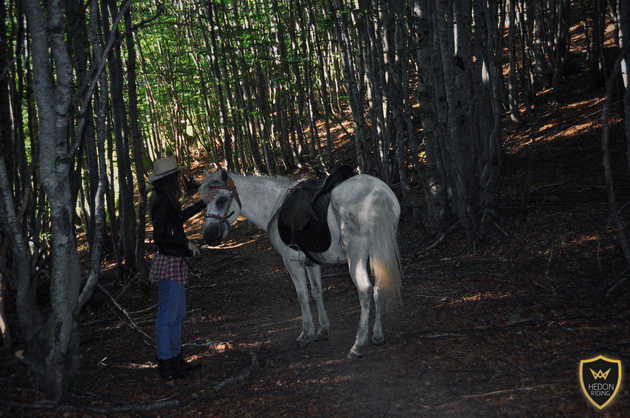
{"x": 497, "y": 329}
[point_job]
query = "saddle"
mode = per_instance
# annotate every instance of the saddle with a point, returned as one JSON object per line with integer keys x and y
{"x": 302, "y": 218}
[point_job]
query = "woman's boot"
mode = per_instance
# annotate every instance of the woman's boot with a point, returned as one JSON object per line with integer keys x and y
{"x": 184, "y": 365}
{"x": 170, "y": 369}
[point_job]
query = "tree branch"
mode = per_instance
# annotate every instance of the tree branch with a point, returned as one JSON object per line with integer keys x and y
{"x": 610, "y": 188}
{"x": 132, "y": 322}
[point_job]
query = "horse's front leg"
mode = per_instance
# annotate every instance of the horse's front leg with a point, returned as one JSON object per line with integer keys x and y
{"x": 315, "y": 277}
{"x": 298, "y": 276}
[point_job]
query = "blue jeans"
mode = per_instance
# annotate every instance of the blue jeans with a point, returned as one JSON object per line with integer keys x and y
{"x": 170, "y": 318}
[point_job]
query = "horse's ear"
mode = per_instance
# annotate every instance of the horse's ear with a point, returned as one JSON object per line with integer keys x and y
{"x": 224, "y": 176}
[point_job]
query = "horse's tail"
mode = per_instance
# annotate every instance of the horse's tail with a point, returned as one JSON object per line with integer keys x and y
{"x": 384, "y": 252}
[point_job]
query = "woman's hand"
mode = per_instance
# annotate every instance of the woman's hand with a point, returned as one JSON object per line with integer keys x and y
{"x": 194, "y": 249}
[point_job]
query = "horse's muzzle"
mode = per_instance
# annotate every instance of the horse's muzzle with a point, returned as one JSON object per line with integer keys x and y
{"x": 213, "y": 234}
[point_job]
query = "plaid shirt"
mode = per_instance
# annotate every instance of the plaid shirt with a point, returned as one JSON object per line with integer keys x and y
{"x": 166, "y": 267}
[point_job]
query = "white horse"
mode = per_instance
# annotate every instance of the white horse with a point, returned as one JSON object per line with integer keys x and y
{"x": 363, "y": 218}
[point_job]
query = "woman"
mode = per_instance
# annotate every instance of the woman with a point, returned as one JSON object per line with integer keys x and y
{"x": 169, "y": 267}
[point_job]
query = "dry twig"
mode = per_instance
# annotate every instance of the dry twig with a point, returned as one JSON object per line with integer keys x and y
{"x": 123, "y": 310}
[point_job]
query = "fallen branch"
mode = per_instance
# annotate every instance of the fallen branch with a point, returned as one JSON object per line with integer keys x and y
{"x": 461, "y": 333}
{"x": 238, "y": 378}
{"x": 442, "y": 237}
{"x": 139, "y": 407}
{"x": 136, "y": 407}
{"x": 123, "y": 310}
{"x": 616, "y": 283}
{"x": 244, "y": 374}
{"x": 444, "y": 334}
{"x": 481, "y": 395}
{"x": 595, "y": 349}
{"x": 504, "y": 391}
{"x": 210, "y": 344}
{"x": 52, "y": 405}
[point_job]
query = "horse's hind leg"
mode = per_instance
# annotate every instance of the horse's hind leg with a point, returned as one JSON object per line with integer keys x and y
{"x": 377, "y": 336}
{"x": 361, "y": 279}
{"x": 315, "y": 277}
{"x": 298, "y": 276}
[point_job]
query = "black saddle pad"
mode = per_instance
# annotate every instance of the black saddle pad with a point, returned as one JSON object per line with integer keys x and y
{"x": 315, "y": 235}
{"x": 302, "y": 218}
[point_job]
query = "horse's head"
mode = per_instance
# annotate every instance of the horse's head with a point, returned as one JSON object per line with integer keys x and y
{"x": 223, "y": 208}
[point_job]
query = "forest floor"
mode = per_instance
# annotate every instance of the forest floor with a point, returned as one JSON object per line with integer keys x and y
{"x": 496, "y": 330}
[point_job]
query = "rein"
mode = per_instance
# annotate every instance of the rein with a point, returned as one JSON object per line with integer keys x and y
{"x": 231, "y": 187}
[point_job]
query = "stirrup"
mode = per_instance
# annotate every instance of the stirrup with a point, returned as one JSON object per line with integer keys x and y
{"x": 293, "y": 253}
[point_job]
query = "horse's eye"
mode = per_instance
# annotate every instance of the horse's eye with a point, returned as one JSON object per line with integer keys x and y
{"x": 222, "y": 200}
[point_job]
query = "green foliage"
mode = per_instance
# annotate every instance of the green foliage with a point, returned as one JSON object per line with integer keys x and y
{"x": 258, "y": 54}
{"x": 45, "y": 236}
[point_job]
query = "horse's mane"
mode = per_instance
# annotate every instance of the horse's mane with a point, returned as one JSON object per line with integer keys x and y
{"x": 213, "y": 178}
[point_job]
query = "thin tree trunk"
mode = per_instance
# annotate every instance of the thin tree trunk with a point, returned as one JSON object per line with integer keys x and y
{"x": 339, "y": 19}
{"x": 30, "y": 317}
{"x": 397, "y": 94}
{"x": 123, "y": 150}
{"x": 153, "y": 145}
{"x": 373, "y": 60}
{"x": 430, "y": 85}
{"x": 136, "y": 142}
{"x": 597, "y": 65}
{"x": 515, "y": 115}
{"x": 5, "y": 331}
{"x": 324, "y": 89}
{"x": 610, "y": 188}
{"x": 217, "y": 78}
{"x": 560, "y": 50}
{"x": 537, "y": 17}
{"x": 98, "y": 210}
{"x": 624, "y": 44}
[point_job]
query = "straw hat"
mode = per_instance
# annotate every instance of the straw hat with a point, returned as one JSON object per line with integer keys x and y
{"x": 163, "y": 167}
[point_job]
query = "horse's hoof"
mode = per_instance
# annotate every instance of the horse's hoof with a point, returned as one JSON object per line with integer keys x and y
{"x": 355, "y": 354}
{"x": 322, "y": 335}
{"x": 300, "y": 344}
{"x": 378, "y": 340}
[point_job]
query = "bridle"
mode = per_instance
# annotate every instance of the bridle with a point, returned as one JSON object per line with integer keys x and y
{"x": 231, "y": 187}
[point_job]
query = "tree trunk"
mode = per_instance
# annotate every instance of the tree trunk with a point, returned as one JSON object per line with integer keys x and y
{"x": 397, "y": 92}
{"x": 515, "y": 114}
{"x": 217, "y": 77}
{"x": 324, "y": 90}
{"x": 123, "y": 150}
{"x": 430, "y": 86}
{"x": 538, "y": 39}
{"x": 373, "y": 60}
{"x": 456, "y": 63}
{"x": 624, "y": 44}
{"x": 98, "y": 209}
{"x": 340, "y": 21}
{"x": 29, "y": 316}
{"x": 606, "y": 163}
{"x": 49, "y": 345}
{"x": 137, "y": 149}
{"x": 489, "y": 159}
{"x": 561, "y": 39}
{"x": 5, "y": 331}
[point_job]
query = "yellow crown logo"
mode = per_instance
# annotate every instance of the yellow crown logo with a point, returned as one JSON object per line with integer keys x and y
{"x": 600, "y": 374}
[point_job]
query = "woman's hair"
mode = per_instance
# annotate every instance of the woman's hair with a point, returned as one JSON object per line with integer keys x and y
{"x": 168, "y": 187}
